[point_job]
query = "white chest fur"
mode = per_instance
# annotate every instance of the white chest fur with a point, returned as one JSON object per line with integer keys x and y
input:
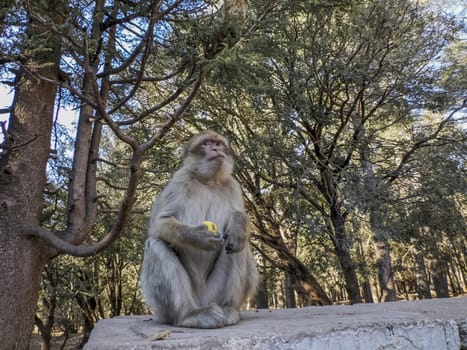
{"x": 206, "y": 202}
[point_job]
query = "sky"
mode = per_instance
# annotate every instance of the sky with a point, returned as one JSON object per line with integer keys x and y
{"x": 66, "y": 116}
{"x": 5, "y": 100}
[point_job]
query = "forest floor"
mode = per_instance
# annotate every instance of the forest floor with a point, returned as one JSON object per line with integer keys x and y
{"x": 72, "y": 343}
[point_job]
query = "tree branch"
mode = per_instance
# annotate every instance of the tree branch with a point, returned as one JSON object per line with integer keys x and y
{"x": 63, "y": 246}
{"x": 177, "y": 115}
{"x": 422, "y": 143}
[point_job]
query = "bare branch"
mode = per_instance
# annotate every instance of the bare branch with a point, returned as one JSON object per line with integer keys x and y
{"x": 53, "y": 27}
{"x": 110, "y": 184}
{"x": 63, "y": 246}
{"x": 101, "y": 108}
{"x": 166, "y": 101}
{"x": 84, "y": 98}
{"x": 143, "y": 44}
{"x": 105, "y": 161}
{"x": 146, "y": 47}
{"x": 423, "y": 143}
{"x": 178, "y": 115}
{"x": 168, "y": 76}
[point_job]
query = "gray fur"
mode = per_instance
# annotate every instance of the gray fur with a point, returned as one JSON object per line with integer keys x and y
{"x": 190, "y": 277}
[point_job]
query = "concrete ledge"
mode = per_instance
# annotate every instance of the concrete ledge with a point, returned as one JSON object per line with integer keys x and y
{"x": 438, "y": 324}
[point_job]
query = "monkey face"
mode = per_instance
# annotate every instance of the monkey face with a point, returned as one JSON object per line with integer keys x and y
{"x": 209, "y": 146}
{"x": 214, "y": 151}
{"x": 209, "y": 155}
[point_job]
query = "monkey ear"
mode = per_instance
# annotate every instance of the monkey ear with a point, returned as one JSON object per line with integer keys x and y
{"x": 184, "y": 149}
{"x": 187, "y": 146}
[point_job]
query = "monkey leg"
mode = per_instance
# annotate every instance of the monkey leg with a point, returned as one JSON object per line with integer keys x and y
{"x": 167, "y": 288}
{"x": 165, "y": 284}
{"x": 211, "y": 316}
{"x": 231, "y": 282}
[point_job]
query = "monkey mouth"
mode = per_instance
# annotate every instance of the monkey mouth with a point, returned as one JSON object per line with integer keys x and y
{"x": 219, "y": 156}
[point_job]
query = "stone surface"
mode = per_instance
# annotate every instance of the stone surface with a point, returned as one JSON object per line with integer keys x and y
{"x": 438, "y": 324}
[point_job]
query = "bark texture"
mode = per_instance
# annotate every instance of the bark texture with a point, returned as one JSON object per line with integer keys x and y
{"x": 22, "y": 181}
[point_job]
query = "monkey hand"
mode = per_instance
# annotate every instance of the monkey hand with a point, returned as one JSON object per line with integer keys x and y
{"x": 236, "y": 234}
{"x": 234, "y": 242}
{"x": 204, "y": 239}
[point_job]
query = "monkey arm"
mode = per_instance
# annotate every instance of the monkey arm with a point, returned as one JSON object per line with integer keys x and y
{"x": 237, "y": 232}
{"x": 165, "y": 225}
{"x": 173, "y": 232}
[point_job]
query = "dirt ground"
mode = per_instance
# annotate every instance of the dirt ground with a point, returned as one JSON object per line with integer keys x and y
{"x": 71, "y": 344}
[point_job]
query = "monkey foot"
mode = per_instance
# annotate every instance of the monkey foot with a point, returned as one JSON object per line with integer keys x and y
{"x": 210, "y": 316}
{"x": 231, "y": 316}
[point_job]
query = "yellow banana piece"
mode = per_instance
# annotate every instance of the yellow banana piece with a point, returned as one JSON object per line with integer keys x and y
{"x": 211, "y": 226}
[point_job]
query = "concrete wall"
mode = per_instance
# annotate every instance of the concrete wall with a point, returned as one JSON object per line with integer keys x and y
{"x": 438, "y": 324}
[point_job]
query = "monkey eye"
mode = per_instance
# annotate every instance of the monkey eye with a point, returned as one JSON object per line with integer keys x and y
{"x": 212, "y": 142}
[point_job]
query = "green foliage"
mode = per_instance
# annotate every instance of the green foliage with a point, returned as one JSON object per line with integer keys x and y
{"x": 323, "y": 107}
{"x": 454, "y": 74}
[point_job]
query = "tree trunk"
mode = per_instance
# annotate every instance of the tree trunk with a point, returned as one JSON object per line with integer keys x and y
{"x": 423, "y": 281}
{"x": 262, "y": 296}
{"x": 308, "y": 286}
{"x": 383, "y": 252}
{"x": 351, "y": 282}
{"x": 366, "y": 285}
{"x": 290, "y": 301}
{"x": 440, "y": 280}
{"x": 82, "y": 201}
{"x": 383, "y": 256}
{"x": 367, "y": 294}
{"x": 342, "y": 249}
{"x": 45, "y": 328}
{"x": 385, "y": 273}
{"x": 22, "y": 181}
{"x": 21, "y": 264}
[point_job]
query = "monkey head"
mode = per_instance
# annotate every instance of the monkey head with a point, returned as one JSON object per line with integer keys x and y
{"x": 208, "y": 156}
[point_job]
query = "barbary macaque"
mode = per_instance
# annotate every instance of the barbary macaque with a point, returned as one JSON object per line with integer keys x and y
{"x": 192, "y": 277}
